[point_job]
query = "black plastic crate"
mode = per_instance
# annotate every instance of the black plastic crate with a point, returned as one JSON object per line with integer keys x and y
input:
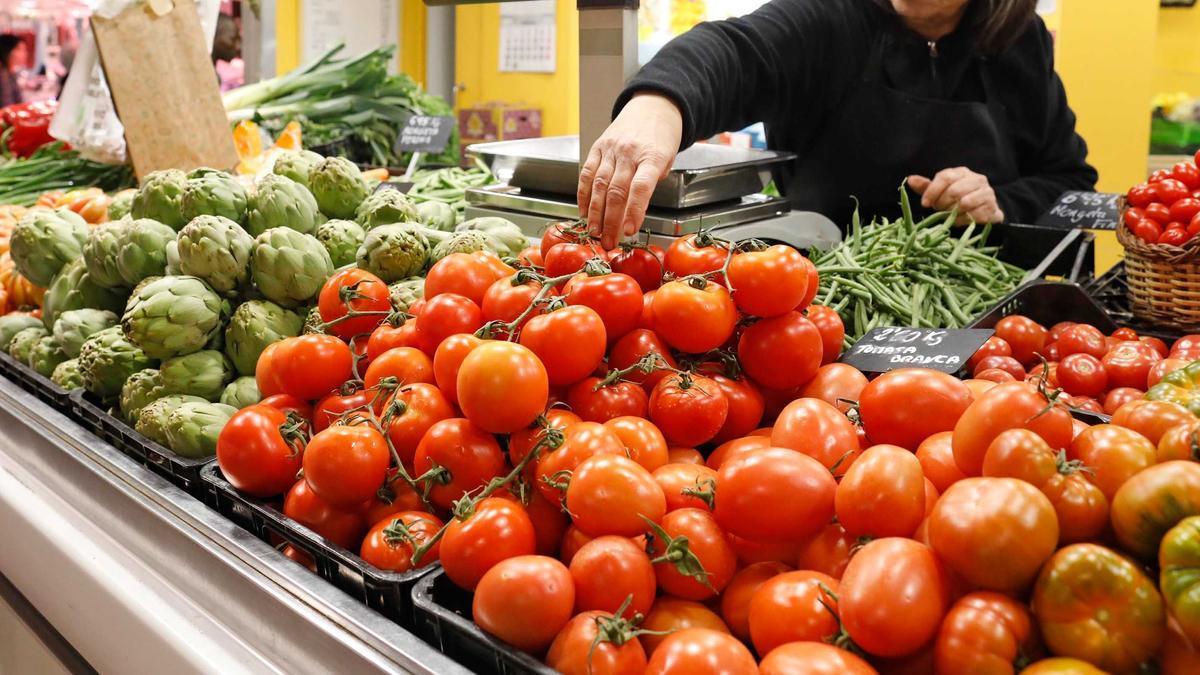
{"x": 1111, "y": 291}
{"x": 28, "y": 379}
{"x": 389, "y": 593}
{"x": 182, "y": 471}
{"x": 1047, "y": 251}
{"x": 1048, "y": 302}
{"x": 444, "y": 619}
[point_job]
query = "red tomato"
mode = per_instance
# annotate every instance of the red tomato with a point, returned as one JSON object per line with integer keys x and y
{"x": 569, "y": 258}
{"x": 936, "y": 455}
{"x": 700, "y": 650}
{"x": 1171, "y": 190}
{"x": 694, "y": 254}
{"x": 1160, "y": 369}
{"x": 1006, "y": 363}
{"x": 1057, "y": 330}
{"x": 828, "y": 551}
{"x": 562, "y": 232}
{"x": 880, "y": 620}
{"x": 1141, "y": 195}
{"x": 1159, "y": 213}
{"x": 498, "y": 529}
{"x": 882, "y": 495}
{"x": 616, "y": 298}
{"x": 468, "y": 457}
{"x": 687, "y": 485}
{"x": 596, "y": 403}
{"x": 443, "y": 316}
{"x": 637, "y": 344}
{"x": 387, "y": 336}
{"x": 794, "y": 607}
{"x": 702, "y": 546}
{"x": 774, "y": 492}
{"x": 1155, "y": 344}
{"x": 838, "y": 384}
{"x": 525, "y": 601}
{"x": 585, "y": 647}
{"x": 1185, "y": 347}
{"x": 670, "y": 615}
{"x": 1120, "y": 396}
{"x": 346, "y": 465}
{"x": 1128, "y": 364}
{"x": 462, "y": 274}
{"x": 253, "y": 453}
{"x": 502, "y": 386}
{"x": 750, "y": 551}
{"x": 907, "y": 405}
{"x": 692, "y": 317}
{"x": 308, "y": 366}
{"x": 404, "y": 365}
{"x": 689, "y": 409}
{"x": 1084, "y": 403}
{"x": 1187, "y": 173}
{"x": 1194, "y": 225}
{"x": 983, "y": 633}
{"x": 392, "y": 542}
{"x": 1007, "y": 406}
{"x": 1184, "y": 210}
{"x": 396, "y": 498}
{"x": 356, "y": 290}
{"x": 645, "y": 266}
{"x": 994, "y": 375}
{"x": 995, "y": 346}
{"x": 781, "y": 352}
{"x": 819, "y": 430}
{"x": 643, "y": 442}
{"x": 832, "y": 330}
{"x": 330, "y": 409}
{"x": 745, "y": 407}
{"x": 1082, "y": 375}
{"x": 1025, "y": 336}
{"x": 508, "y": 298}
{"x": 569, "y": 342}
{"x": 531, "y": 256}
{"x": 1174, "y": 236}
{"x": 289, "y": 404}
{"x": 1112, "y": 454}
{"x": 812, "y": 657}
{"x": 343, "y": 527}
{"x": 447, "y": 361}
{"x": 769, "y": 282}
{"x": 684, "y": 456}
{"x": 735, "y": 599}
{"x": 1132, "y": 215}
{"x": 1148, "y": 230}
{"x": 612, "y": 494}
{"x": 580, "y": 441}
{"x": 1035, "y": 376}
{"x": 735, "y": 447}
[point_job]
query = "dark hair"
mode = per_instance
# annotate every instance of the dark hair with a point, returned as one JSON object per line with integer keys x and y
{"x": 8, "y": 42}
{"x": 996, "y": 24}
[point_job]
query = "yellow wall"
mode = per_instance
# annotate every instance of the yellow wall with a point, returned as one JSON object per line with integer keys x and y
{"x": 412, "y": 37}
{"x": 287, "y": 35}
{"x": 477, "y": 57}
{"x": 1177, "y": 51}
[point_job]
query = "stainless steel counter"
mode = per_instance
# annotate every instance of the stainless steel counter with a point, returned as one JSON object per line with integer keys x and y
{"x": 139, "y": 577}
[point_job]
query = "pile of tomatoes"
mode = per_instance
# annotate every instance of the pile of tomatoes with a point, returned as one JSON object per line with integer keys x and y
{"x": 1166, "y": 208}
{"x": 1096, "y": 372}
{"x": 663, "y": 470}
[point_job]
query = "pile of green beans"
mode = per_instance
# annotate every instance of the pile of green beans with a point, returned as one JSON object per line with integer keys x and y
{"x": 907, "y": 273}
{"x": 449, "y": 185}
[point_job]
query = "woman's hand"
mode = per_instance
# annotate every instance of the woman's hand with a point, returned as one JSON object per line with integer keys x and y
{"x": 959, "y": 187}
{"x": 626, "y": 163}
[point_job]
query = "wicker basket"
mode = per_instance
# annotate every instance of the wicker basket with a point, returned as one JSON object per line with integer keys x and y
{"x": 1164, "y": 280}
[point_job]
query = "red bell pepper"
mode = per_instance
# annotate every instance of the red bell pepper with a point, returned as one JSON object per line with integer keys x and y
{"x": 27, "y": 126}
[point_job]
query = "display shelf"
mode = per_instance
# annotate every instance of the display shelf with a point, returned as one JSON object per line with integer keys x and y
{"x": 138, "y": 576}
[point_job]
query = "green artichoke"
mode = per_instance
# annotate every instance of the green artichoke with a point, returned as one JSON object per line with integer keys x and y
{"x": 121, "y": 204}
{"x": 289, "y": 267}
{"x": 12, "y": 324}
{"x": 67, "y": 375}
{"x": 405, "y": 292}
{"x": 204, "y": 374}
{"x": 507, "y": 234}
{"x": 438, "y": 215}
{"x": 101, "y": 252}
{"x": 73, "y": 288}
{"x": 22, "y": 343}
{"x": 152, "y": 420}
{"x": 296, "y": 165}
{"x": 282, "y": 202}
{"x": 45, "y": 355}
{"x": 254, "y": 325}
{"x": 209, "y": 192}
{"x": 469, "y": 241}
{"x": 171, "y": 252}
{"x": 107, "y": 359}
{"x": 241, "y": 392}
{"x": 72, "y": 327}
{"x": 142, "y": 250}
{"x": 313, "y": 323}
{"x": 43, "y": 242}
{"x": 171, "y": 316}
{"x": 192, "y": 428}
{"x": 386, "y": 207}
{"x": 159, "y": 198}
{"x": 342, "y": 239}
{"x": 338, "y": 186}
{"x": 140, "y": 390}
{"x": 393, "y": 252}
{"x": 216, "y": 250}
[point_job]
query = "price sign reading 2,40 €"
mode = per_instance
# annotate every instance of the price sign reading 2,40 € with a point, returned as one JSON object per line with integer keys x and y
{"x": 884, "y": 349}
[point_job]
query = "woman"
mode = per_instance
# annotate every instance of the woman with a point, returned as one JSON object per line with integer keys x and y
{"x": 13, "y": 54}
{"x": 958, "y": 97}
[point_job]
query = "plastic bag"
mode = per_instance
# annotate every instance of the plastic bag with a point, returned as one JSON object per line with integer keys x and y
{"x": 86, "y": 118}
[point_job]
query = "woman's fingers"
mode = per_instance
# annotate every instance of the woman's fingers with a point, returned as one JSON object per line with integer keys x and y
{"x": 600, "y": 186}
{"x": 932, "y": 198}
{"x": 587, "y": 174}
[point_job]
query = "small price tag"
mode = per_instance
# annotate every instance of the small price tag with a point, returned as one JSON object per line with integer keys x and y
{"x": 424, "y": 133}
{"x": 884, "y": 349}
{"x": 1083, "y": 210}
{"x": 401, "y": 186}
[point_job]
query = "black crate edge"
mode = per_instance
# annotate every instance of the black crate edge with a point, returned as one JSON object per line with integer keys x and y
{"x": 389, "y": 593}
{"x": 35, "y": 383}
{"x": 458, "y": 637}
{"x": 1048, "y": 302}
{"x": 181, "y": 471}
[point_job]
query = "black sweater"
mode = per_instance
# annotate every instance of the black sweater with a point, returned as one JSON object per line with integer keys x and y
{"x": 792, "y": 63}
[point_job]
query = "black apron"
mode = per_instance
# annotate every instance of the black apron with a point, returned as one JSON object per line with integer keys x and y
{"x": 879, "y": 136}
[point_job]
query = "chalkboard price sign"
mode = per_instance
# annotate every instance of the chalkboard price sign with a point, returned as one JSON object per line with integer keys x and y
{"x": 1084, "y": 210}
{"x": 425, "y": 133}
{"x": 884, "y": 349}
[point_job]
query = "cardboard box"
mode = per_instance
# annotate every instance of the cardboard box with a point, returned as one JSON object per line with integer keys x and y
{"x": 498, "y": 122}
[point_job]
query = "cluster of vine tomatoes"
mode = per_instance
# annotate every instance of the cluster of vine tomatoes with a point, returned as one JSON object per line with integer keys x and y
{"x": 665, "y": 471}
{"x": 1098, "y": 373}
{"x": 1166, "y": 208}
